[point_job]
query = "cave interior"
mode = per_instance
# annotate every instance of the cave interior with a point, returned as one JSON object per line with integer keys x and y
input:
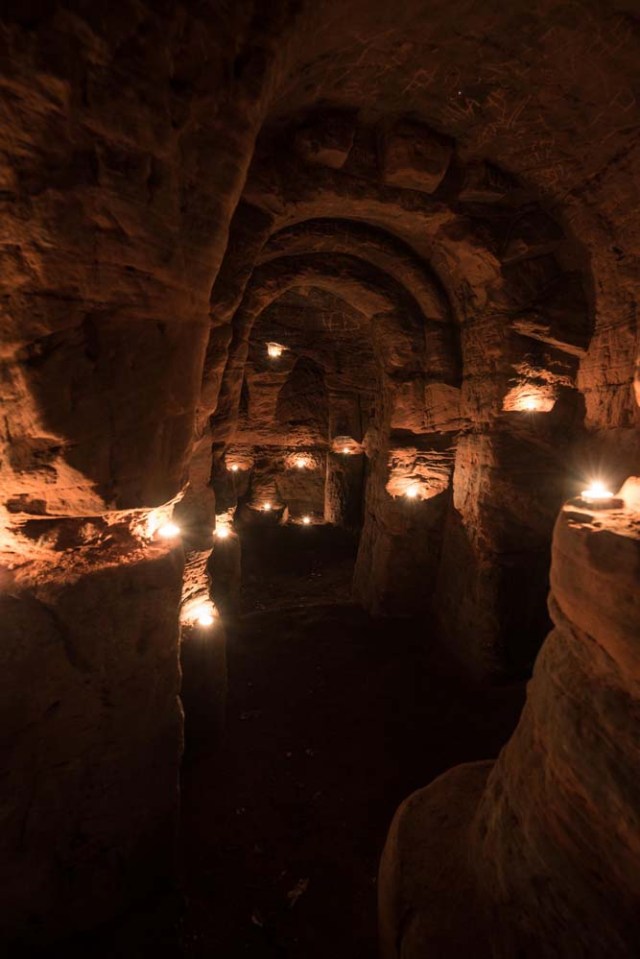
{"x": 320, "y": 479}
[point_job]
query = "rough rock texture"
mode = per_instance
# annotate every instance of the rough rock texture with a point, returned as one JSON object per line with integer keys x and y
{"x": 328, "y": 140}
{"x": 91, "y": 736}
{"x": 424, "y": 310}
{"x": 540, "y": 849}
{"x": 414, "y": 157}
{"x": 111, "y": 192}
{"x": 432, "y": 209}
{"x": 125, "y": 135}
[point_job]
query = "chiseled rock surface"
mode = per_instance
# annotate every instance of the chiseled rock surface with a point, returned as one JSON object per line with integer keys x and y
{"x": 414, "y": 157}
{"x": 328, "y": 140}
{"x": 125, "y": 140}
{"x": 435, "y": 296}
{"x": 131, "y": 186}
{"x": 91, "y": 737}
{"x": 537, "y": 855}
{"x": 126, "y": 133}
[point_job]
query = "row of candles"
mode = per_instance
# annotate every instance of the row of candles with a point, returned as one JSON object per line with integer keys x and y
{"x": 596, "y": 496}
{"x": 301, "y": 463}
{"x": 170, "y": 531}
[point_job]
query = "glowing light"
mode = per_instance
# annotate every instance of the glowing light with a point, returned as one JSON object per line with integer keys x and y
{"x": 529, "y": 398}
{"x": 412, "y": 492}
{"x": 234, "y": 468}
{"x": 266, "y": 507}
{"x": 306, "y": 520}
{"x": 274, "y": 350}
{"x": 301, "y": 463}
{"x": 204, "y": 615}
{"x": 168, "y": 530}
{"x": 597, "y": 492}
{"x": 222, "y": 532}
{"x": 345, "y": 444}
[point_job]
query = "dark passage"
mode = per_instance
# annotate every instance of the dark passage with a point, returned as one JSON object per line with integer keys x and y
{"x": 283, "y": 827}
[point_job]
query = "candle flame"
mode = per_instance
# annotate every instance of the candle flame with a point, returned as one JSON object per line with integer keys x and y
{"x": 204, "y": 615}
{"x": 168, "y": 530}
{"x": 596, "y": 491}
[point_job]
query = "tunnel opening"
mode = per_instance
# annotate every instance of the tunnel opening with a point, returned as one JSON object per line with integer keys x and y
{"x": 299, "y": 444}
{"x": 419, "y": 400}
{"x": 285, "y": 812}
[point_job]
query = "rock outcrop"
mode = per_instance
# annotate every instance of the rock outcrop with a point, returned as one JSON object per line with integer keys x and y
{"x": 536, "y": 855}
{"x": 91, "y": 733}
{"x": 125, "y": 138}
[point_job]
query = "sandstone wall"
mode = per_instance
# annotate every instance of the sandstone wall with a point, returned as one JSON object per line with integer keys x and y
{"x": 91, "y": 738}
{"x": 469, "y": 199}
{"x": 125, "y": 134}
{"x": 464, "y": 293}
{"x": 540, "y": 849}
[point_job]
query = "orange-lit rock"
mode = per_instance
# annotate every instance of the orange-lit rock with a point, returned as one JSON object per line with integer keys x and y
{"x": 558, "y": 809}
{"x": 421, "y": 473}
{"x": 432, "y": 209}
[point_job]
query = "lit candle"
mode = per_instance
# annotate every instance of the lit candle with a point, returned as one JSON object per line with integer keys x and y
{"x": 234, "y": 468}
{"x": 301, "y": 462}
{"x": 222, "y": 532}
{"x": 530, "y": 404}
{"x": 346, "y": 450}
{"x": 596, "y": 493}
{"x": 597, "y": 496}
{"x": 204, "y": 615}
{"x": 306, "y": 520}
{"x": 169, "y": 530}
{"x": 274, "y": 350}
{"x": 412, "y": 492}
{"x": 266, "y": 507}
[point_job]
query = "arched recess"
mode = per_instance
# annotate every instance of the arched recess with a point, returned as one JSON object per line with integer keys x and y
{"x": 413, "y": 353}
{"x": 366, "y": 242}
{"x": 479, "y": 251}
{"x": 409, "y": 346}
{"x": 322, "y": 332}
{"x": 483, "y": 256}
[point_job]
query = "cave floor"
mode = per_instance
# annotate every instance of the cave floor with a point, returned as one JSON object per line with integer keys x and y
{"x": 333, "y": 718}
